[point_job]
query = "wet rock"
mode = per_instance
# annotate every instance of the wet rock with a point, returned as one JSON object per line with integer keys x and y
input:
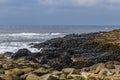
{"x": 21, "y": 53}
{"x": 95, "y": 47}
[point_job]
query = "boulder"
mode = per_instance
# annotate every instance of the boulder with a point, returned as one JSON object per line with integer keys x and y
{"x": 18, "y": 72}
{"x": 8, "y": 72}
{"x": 23, "y": 77}
{"x": 85, "y": 74}
{"x": 21, "y": 53}
{"x": 68, "y": 70}
{"x": 99, "y": 68}
{"x": 33, "y": 77}
{"x": 105, "y": 72}
{"x": 10, "y": 77}
{"x": 74, "y": 76}
{"x": 2, "y": 56}
{"x": 63, "y": 77}
{"x": 110, "y": 65}
{"x": 48, "y": 77}
{"x": 8, "y": 66}
{"x": 41, "y": 71}
{"x": 27, "y": 70}
{"x": 56, "y": 72}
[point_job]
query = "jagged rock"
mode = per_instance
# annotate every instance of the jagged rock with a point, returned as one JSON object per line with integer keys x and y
{"x": 21, "y": 53}
{"x": 95, "y": 47}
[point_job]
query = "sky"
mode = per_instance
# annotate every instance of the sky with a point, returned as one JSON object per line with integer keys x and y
{"x": 59, "y": 12}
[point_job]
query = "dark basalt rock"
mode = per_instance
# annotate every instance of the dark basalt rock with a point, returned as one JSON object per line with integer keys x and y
{"x": 54, "y": 59}
{"x": 76, "y": 50}
{"x": 21, "y": 53}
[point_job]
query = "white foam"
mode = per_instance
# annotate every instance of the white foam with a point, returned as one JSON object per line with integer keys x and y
{"x": 16, "y": 36}
{"x": 24, "y": 34}
{"x": 14, "y": 41}
{"x": 30, "y": 34}
{"x": 14, "y": 46}
{"x": 55, "y": 33}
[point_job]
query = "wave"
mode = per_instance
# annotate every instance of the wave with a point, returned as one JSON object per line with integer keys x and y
{"x": 14, "y": 41}
{"x": 14, "y": 46}
{"x": 30, "y": 34}
{"x": 55, "y": 33}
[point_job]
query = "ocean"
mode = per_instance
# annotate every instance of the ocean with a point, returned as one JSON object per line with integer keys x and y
{"x": 13, "y": 38}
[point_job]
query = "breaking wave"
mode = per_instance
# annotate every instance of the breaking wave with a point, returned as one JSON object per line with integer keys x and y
{"x": 14, "y": 41}
{"x": 30, "y": 34}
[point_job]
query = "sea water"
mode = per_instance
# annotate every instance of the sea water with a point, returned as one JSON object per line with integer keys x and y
{"x": 13, "y": 38}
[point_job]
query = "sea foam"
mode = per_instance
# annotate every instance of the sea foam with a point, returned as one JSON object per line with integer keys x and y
{"x": 13, "y": 41}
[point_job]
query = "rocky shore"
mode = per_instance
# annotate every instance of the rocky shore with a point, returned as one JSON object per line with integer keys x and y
{"x": 22, "y": 69}
{"x": 92, "y": 56}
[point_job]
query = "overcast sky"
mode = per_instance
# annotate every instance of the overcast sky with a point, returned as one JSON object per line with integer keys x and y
{"x": 59, "y": 12}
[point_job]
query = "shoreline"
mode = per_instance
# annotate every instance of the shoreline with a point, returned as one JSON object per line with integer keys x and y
{"x": 91, "y": 56}
{"x": 22, "y": 69}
